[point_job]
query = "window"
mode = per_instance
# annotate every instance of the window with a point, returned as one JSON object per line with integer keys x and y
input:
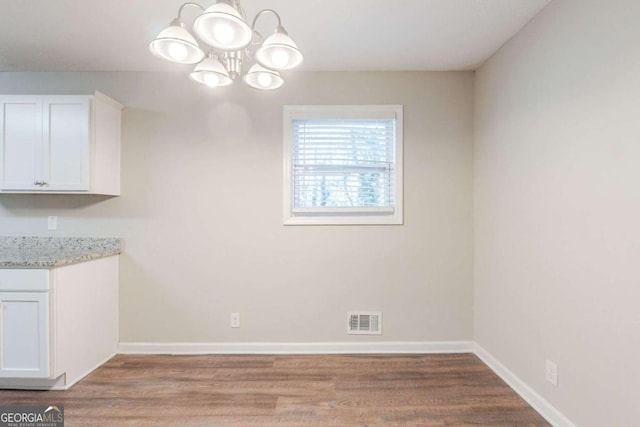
{"x": 343, "y": 164}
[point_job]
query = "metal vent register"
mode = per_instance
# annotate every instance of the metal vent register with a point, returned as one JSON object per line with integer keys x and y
{"x": 364, "y": 323}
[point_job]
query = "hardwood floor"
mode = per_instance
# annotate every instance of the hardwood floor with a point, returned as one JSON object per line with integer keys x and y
{"x": 288, "y": 391}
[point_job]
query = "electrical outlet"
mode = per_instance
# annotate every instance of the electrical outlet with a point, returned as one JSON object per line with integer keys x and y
{"x": 235, "y": 320}
{"x": 52, "y": 223}
{"x": 551, "y": 373}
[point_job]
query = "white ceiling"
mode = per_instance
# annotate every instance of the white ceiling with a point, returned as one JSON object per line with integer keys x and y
{"x": 112, "y": 35}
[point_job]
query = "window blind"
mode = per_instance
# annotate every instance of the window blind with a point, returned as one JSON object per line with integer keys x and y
{"x": 345, "y": 164}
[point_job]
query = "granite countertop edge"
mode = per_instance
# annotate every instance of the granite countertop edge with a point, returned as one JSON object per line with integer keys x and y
{"x": 51, "y": 252}
{"x": 57, "y": 262}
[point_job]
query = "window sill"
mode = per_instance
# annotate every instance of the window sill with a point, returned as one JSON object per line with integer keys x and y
{"x": 358, "y": 217}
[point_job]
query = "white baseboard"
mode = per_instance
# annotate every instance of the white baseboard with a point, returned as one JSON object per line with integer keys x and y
{"x": 71, "y": 381}
{"x": 297, "y": 348}
{"x": 548, "y": 411}
{"x": 63, "y": 382}
{"x": 33, "y": 383}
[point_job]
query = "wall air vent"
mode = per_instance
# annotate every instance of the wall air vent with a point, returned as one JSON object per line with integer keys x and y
{"x": 364, "y": 323}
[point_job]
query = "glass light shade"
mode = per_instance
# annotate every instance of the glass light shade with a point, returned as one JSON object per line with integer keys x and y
{"x": 263, "y": 78}
{"x": 279, "y": 52}
{"x": 176, "y": 44}
{"x": 211, "y": 72}
{"x": 222, "y": 26}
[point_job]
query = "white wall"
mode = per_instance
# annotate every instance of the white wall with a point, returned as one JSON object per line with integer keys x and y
{"x": 200, "y": 212}
{"x": 557, "y": 207}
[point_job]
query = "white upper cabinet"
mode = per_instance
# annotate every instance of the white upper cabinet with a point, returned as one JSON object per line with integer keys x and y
{"x": 21, "y": 127}
{"x": 60, "y": 144}
{"x": 65, "y": 148}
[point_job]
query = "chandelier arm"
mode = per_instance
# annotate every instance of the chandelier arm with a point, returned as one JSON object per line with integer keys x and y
{"x": 256, "y": 41}
{"x": 189, "y": 4}
{"x": 253, "y": 25}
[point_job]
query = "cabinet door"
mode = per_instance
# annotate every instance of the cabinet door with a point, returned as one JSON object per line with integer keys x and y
{"x": 65, "y": 154}
{"x": 20, "y": 142}
{"x": 24, "y": 335}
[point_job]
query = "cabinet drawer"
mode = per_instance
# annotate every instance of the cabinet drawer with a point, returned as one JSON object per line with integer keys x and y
{"x": 24, "y": 280}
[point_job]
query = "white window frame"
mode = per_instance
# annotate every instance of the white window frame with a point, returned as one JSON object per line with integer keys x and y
{"x": 342, "y": 216}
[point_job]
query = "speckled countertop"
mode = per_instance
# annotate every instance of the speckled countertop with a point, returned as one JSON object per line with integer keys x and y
{"x": 49, "y": 252}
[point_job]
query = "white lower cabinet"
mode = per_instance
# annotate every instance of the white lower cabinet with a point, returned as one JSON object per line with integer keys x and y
{"x": 57, "y": 325}
{"x": 24, "y": 336}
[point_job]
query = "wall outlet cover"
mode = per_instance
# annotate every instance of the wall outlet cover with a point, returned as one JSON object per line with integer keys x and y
{"x": 551, "y": 373}
{"x": 52, "y": 223}
{"x": 235, "y": 320}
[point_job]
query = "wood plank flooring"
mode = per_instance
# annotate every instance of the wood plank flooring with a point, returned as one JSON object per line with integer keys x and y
{"x": 288, "y": 391}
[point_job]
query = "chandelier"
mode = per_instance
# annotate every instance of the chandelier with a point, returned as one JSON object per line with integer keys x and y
{"x": 228, "y": 42}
